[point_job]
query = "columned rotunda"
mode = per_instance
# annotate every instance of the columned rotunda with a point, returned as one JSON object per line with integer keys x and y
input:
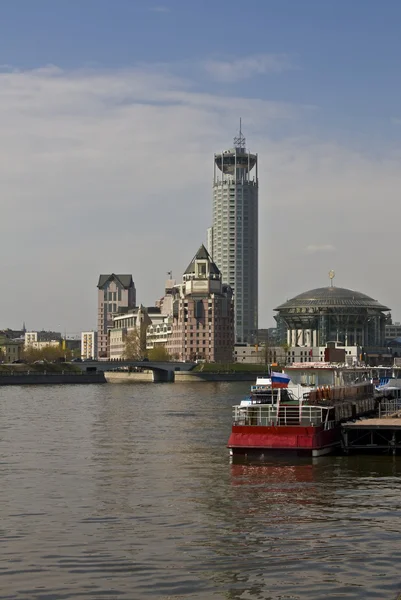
{"x": 333, "y": 314}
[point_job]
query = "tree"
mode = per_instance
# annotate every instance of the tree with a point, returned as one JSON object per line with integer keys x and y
{"x": 48, "y": 353}
{"x": 159, "y": 352}
{"x": 75, "y": 352}
{"x": 285, "y": 346}
{"x": 266, "y": 354}
{"x": 133, "y": 346}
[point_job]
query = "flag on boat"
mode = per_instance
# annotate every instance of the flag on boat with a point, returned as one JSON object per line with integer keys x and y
{"x": 280, "y": 380}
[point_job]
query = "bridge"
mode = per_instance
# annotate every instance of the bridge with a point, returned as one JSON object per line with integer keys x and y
{"x": 162, "y": 371}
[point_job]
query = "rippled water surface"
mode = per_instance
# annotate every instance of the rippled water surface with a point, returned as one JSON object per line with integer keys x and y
{"x": 126, "y": 491}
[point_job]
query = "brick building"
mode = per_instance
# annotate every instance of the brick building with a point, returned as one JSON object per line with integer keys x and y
{"x": 203, "y": 314}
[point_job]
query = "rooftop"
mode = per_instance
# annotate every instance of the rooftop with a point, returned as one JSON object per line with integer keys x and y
{"x": 125, "y": 280}
{"x": 202, "y": 254}
{"x": 332, "y": 296}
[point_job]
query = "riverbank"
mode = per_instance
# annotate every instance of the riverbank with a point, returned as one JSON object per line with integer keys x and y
{"x": 65, "y": 373}
{"x": 202, "y": 372}
{"x": 178, "y": 377}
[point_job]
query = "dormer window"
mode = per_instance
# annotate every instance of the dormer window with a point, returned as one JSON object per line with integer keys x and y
{"x": 201, "y": 269}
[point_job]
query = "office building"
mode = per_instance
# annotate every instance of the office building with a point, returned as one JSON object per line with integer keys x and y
{"x": 233, "y": 238}
{"x": 115, "y": 292}
{"x": 88, "y": 345}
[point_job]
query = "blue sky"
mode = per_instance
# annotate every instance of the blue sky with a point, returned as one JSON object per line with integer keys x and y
{"x": 346, "y": 54}
{"x": 93, "y": 92}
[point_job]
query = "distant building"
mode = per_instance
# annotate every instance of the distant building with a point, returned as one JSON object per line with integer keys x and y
{"x": 89, "y": 344}
{"x": 166, "y": 302}
{"x": 259, "y": 354}
{"x": 135, "y": 321}
{"x": 268, "y": 336}
{"x": 314, "y": 354}
{"x": 42, "y": 339}
{"x": 13, "y": 334}
{"x": 203, "y": 314}
{"x": 115, "y": 292}
{"x": 151, "y": 326}
{"x": 11, "y": 350}
{"x": 392, "y": 331}
{"x": 159, "y": 331}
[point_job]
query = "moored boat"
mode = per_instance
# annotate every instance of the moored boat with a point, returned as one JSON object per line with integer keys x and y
{"x": 309, "y": 423}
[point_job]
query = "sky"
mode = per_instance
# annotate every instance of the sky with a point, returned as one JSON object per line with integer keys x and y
{"x": 111, "y": 112}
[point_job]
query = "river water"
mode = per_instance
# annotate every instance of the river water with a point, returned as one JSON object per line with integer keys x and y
{"x": 127, "y": 492}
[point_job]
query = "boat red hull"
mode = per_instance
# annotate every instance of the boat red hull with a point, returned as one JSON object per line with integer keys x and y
{"x": 306, "y": 440}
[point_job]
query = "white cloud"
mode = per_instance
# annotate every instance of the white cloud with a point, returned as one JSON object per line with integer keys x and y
{"x": 230, "y": 71}
{"x": 314, "y": 248}
{"x": 111, "y": 171}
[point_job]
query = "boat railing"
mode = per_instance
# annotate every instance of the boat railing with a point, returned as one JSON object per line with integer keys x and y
{"x": 389, "y": 406}
{"x": 267, "y": 415}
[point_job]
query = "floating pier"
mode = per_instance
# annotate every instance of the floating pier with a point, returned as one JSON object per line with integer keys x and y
{"x": 376, "y": 435}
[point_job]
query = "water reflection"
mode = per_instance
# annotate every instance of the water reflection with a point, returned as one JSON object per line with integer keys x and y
{"x": 276, "y": 472}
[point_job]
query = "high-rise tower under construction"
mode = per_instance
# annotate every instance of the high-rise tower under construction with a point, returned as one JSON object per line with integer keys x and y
{"x": 233, "y": 238}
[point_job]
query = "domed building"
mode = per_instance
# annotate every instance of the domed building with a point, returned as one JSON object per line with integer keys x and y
{"x": 333, "y": 314}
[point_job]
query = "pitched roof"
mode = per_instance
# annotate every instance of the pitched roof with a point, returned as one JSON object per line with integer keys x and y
{"x": 202, "y": 254}
{"x": 125, "y": 280}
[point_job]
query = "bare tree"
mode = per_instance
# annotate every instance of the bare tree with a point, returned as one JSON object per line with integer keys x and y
{"x": 133, "y": 346}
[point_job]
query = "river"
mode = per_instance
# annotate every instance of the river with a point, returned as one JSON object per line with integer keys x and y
{"x": 127, "y": 492}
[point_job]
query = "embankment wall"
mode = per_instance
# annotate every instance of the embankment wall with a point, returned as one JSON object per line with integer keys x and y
{"x": 50, "y": 378}
{"x": 179, "y": 377}
{"x": 125, "y": 377}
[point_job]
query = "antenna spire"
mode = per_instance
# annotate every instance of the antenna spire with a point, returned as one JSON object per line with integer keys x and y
{"x": 239, "y": 140}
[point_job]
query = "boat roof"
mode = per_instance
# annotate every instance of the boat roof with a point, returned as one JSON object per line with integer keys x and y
{"x": 308, "y": 366}
{"x": 384, "y": 388}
